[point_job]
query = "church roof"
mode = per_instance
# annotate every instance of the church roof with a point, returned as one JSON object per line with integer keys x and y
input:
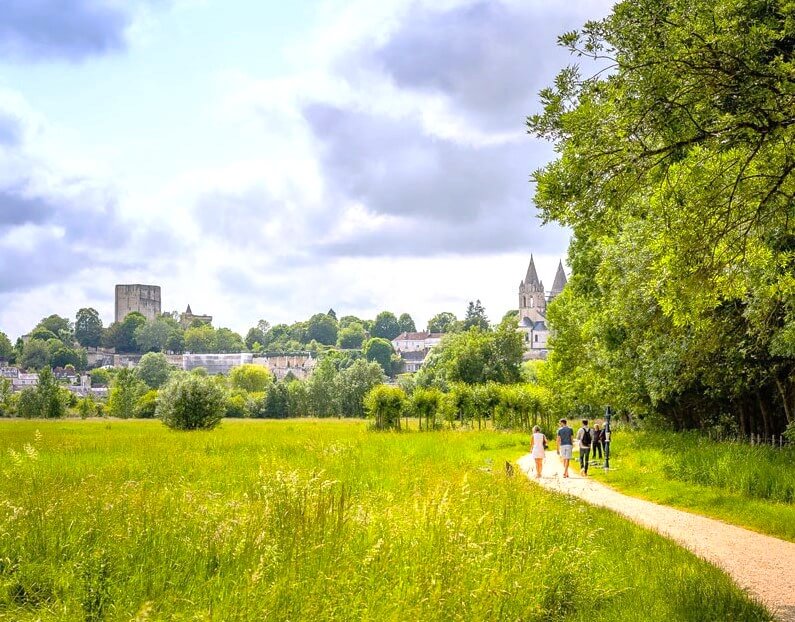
{"x": 560, "y": 280}
{"x": 188, "y": 311}
{"x": 532, "y": 275}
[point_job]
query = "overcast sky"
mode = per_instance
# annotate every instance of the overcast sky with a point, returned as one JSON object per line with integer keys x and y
{"x": 263, "y": 159}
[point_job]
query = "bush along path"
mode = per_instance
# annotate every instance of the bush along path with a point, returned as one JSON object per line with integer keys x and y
{"x": 762, "y": 565}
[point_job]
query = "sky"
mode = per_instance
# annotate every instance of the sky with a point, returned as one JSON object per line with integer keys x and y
{"x": 271, "y": 160}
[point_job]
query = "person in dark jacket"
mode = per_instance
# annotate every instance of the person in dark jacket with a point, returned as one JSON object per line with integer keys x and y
{"x": 598, "y": 439}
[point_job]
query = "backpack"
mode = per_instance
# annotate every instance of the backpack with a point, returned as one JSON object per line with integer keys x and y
{"x": 586, "y": 437}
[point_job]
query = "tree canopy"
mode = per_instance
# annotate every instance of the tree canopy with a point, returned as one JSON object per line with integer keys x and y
{"x": 675, "y": 173}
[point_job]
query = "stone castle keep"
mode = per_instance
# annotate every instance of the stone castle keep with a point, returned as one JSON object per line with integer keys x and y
{"x": 145, "y": 299}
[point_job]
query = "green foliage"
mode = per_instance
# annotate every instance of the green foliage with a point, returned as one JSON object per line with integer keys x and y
{"x": 191, "y": 402}
{"x": 476, "y": 317}
{"x": 126, "y": 390}
{"x": 47, "y": 399}
{"x": 88, "y": 407}
{"x": 384, "y": 405}
{"x": 226, "y": 340}
{"x": 380, "y": 351}
{"x": 322, "y": 327}
{"x": 35, "y": 355}
{"x": 751, "y": 486}
{"x": 121, "y": 335}
{"x": 429, "y": 406}
{"x": 352, "y": 384}
{"x": 237, "y": 405}
{"x": 56, "y": 325}
{"x": 277, "y": 403}
{"x": 444, "y": 322}
{"x": 250, "y": 378}
{"x": 351, "y": 337}
{"x": 200, "y": 339}
{"x": 161, "y": 334}
{"x": 100, "y": 377}
{"x": 692, "y": 125}
{"x": 88, "y": 327}
{"x": 475, "y": 357}
{"x": 406, "y": 323}
{"x": 6, "y": 349}
{"x": 146, "y": 406}
{"x": 154, "y": 369}
{"x": 385, "y": 326}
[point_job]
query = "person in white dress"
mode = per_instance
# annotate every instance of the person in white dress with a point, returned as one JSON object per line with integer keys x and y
{"x": 538, "y": 451}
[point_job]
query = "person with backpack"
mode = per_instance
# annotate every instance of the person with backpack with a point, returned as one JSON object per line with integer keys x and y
{"x": 585, "y": 436}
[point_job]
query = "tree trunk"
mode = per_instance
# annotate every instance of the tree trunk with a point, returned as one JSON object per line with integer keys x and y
{"x": 765, "y": 418}
{"x": 784, "y": 400}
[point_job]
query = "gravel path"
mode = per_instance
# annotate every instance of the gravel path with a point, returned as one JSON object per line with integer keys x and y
{"x": 763, "y": 565}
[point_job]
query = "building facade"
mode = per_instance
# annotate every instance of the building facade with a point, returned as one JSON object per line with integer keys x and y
{"x": 145, "y": 299}
{"x": 187, "y": 318}
{"x": 533, "y": 301}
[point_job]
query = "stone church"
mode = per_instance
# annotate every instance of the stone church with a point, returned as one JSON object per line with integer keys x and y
{"x": 533, "y": 301}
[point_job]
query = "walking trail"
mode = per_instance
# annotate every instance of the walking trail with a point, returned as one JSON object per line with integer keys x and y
{"x": 762, "y": 565}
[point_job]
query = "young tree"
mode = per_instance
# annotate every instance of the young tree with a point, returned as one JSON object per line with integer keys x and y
{"x": 154, "y": 369}
{"x": 125, "y": 392}
{"x": 47, "y": 399}
{"x": 191, "y": 402}
{"x": 385, "y": 404}
{"x": 351, "y": 385}
{"x": 88, "y": 327}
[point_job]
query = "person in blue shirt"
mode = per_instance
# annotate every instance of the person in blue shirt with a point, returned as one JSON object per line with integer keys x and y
{"x": 565, "y": 445}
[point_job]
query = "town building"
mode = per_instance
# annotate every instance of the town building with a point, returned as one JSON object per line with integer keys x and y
{"x": 145, "y": 299}
{"x": 414, "y": 347}
{"x": 533, "y": 301}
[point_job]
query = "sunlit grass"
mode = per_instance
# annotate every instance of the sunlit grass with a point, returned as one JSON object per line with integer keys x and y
{"x": 749, "y": 486}
{"x": 318, "y": 520}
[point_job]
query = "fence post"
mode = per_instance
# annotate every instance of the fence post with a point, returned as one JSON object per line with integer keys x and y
{"x": 752, "y": 439}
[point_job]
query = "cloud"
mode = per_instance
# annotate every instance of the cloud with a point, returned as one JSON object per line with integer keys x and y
{"x": 62, "y": 29}
{"x": 487, "y": 59}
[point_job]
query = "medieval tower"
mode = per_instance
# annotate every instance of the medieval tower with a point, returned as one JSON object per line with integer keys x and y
{"x": 533, "y": 302}
{"x": 142, "y": 298}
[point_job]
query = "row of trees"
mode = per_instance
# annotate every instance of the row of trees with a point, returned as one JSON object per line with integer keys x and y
{"x": 677, "y": 177}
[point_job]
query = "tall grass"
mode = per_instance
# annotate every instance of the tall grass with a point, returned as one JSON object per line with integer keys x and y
{"x": 748, "y": 485}
{"x": 318, "y": 520}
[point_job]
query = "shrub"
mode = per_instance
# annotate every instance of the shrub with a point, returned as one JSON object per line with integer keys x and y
{"x": 191, "y": 402}
{"x": 384, "y": 404}
{"x": 46, "y": 399}
{"x": 147, "y": 405}
{"x": 429, "y": 405}
{"x": 237, "y": 405}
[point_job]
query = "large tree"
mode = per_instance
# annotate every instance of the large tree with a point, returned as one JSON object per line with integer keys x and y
{"x": 88, "y": 327}
{"x": 385, "y": 326}
{"x": 476, "y": 316}
{"x": 444, "y": 322}
{"x": 6, "y": 349}
{"x": 677, "y": 176}
{"x": 406, "y": 323}
{"x": 322, "y": 327}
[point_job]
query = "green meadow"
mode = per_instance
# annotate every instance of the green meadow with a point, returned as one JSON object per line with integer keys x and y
{"x": 750, "y": 486}
{"x": 318, "y": 520}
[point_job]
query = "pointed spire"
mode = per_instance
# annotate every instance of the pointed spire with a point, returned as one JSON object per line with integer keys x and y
{"x": 560, "y": 280}
{"x": 188, "y": 311}
{"x": 532, "y": 276}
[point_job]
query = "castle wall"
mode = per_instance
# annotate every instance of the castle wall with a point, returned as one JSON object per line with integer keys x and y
{"x": 142, "y": 298}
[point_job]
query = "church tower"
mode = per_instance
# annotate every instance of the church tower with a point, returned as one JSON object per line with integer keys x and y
{"x": 532, "y": 300}
{"x": 560, "y": 282}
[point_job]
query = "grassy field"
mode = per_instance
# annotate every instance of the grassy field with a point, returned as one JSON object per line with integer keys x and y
{"x": 740, "y": 484}
{"x": 318, "y": 520}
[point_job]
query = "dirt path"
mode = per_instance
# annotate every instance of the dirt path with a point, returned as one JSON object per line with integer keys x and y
{"x": 763, "y": 565}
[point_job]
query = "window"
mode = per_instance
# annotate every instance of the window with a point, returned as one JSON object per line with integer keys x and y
{"x": 536, "y": 338}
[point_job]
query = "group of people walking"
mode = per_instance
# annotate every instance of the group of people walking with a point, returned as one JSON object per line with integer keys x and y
{"x": 588, "y": 438}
